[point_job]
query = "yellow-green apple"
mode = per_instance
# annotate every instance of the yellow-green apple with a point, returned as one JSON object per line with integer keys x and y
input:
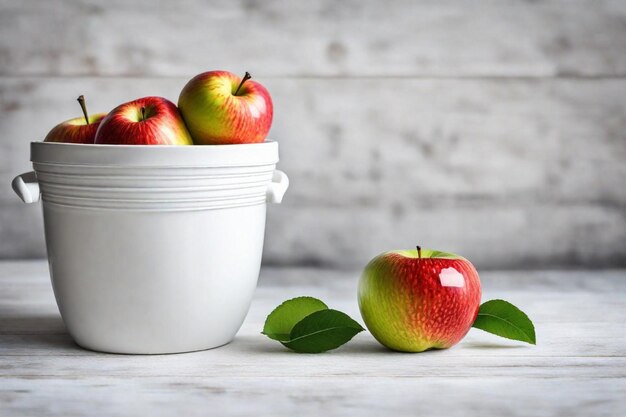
{"x": 221, "y": 108}
{"x": 77, "y": 130}
{"x": 145, "y": 121}
{"x": 414, "y": 300}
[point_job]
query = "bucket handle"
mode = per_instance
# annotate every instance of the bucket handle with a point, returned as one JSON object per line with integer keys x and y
{"x": 278, "y": 186}
{"x": 26, "y": 187}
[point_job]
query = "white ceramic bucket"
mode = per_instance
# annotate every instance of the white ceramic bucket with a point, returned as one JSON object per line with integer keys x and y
{"x": 153, "y": 249}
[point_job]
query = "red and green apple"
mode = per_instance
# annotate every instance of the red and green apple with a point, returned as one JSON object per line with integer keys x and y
{"x": 145, "y": 121}
{"x": 420, "y": 299}
{"x": 221, "y": 108}
{"x": 77, "y": 130}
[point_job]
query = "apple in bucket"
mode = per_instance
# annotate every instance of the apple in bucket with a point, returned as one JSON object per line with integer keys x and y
{"x": 77, "y": 130}
{"x": 414, "y": 300}
{"x": 145, "y": 121}
{"x": 221, "y": 108}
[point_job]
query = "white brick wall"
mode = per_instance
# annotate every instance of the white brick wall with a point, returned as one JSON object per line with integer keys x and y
{"x": 494, "y": 129}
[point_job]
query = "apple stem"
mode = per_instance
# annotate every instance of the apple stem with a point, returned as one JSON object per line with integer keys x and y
{"x": 81, "y": 101}
{"x": 419, "y": 252}
{"x": 143, "y": 114}
{"x": 245, "y": 78}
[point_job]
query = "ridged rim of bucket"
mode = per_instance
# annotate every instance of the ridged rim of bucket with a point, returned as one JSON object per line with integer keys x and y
{"x": 239, "y": 155}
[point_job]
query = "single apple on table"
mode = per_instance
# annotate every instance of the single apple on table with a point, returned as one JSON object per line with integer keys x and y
{"x": 221, "y": 108}
{"x": 414, "y": 300}
{"x": 145, "y": 121}
{"x": 77, "y": 130}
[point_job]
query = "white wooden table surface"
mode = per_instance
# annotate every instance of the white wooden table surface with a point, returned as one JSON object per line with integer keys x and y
{"x": 578, "y": 367}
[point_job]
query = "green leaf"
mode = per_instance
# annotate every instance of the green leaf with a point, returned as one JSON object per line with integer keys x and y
{"x": 321, "y": 331}
{"x": 281, "y": 321}
{"x": 504, "y": 319}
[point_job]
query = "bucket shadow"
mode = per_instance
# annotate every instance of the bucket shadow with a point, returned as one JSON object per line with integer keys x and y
{"x": 35, "y": 332}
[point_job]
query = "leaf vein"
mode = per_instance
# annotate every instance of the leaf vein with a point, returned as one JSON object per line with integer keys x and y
{"x": 507, "y": 321}
{"x": 322, "y": 331}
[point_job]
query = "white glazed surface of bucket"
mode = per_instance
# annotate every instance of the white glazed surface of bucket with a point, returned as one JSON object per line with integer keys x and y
{"x": 154, "y": 249}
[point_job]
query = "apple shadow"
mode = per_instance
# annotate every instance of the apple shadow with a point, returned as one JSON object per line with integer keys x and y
{"x": 483, "y": 345}
{"x": 365, "y": 345}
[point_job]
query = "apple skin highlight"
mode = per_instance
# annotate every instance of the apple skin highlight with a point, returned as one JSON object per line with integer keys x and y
{"x": 215, "y": 115}
{"x": 412, "y": 304}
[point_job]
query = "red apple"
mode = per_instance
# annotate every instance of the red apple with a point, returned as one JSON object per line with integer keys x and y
{"x": 414, "y": 300}
{"x": 78, "y": 130}
{"x": 145, "y": 121}
{"x": 221, "y": 108}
